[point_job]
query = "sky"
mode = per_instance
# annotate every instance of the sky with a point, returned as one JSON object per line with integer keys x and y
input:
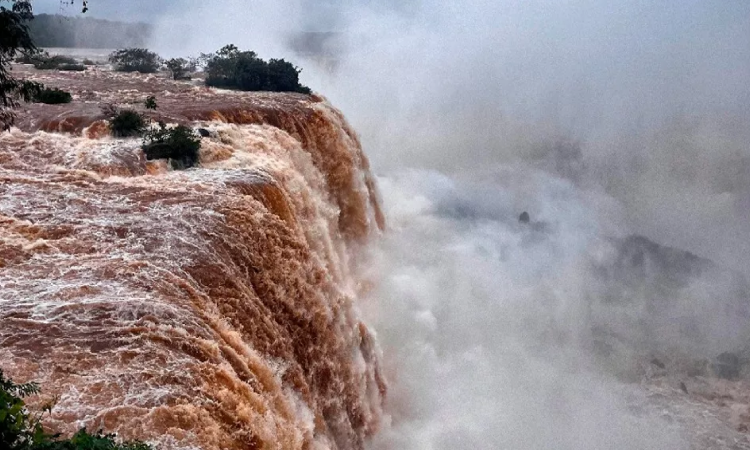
{"x": 318, "y": 11}
{"x": 326, "y": 10}
{"x": 130, "y": 10}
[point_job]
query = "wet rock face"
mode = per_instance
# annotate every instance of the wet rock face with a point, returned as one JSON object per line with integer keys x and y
{"x": 640, "y": 258}
{"x": 663, "y": 299}
{"x": 727, "y": 365}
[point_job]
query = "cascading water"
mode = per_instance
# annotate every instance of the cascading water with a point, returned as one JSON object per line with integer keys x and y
{"x": 210, "y": 308}
{"x": 222, "y": 307}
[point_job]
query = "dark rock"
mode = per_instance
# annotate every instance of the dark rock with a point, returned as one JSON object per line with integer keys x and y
{"x": 204, "y": 132}
{"x": 727, "y": 366}
{"x": 657, "y": 363}
{"x": 641, "y": 258}
{"x": 524, "y": 217}
{"x": 159, "y": 150}
{"x": 683, "y": 387}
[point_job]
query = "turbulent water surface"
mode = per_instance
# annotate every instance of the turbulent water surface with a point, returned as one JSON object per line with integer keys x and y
{"x": 260, "y": 301}
{"x": 209, "y": 308}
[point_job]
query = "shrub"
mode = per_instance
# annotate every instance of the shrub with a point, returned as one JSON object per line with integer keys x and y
{"x": 135, "y": 60}
{"x": 127, "y": 123}
{"x": 16, "y": 426}
{"x": 88, "y": 62}
{"x": 32, "y": 57}
{"x": 19, "y": 430}
{"x": 46, "y": 62}
{"x": 234, "y": 69}
{"x": 150, "y": 102}
{"x": 52, "y": 96}
{"x": 72, "y": 67}
{"x": 179, "y": 144}
{"x": 180, "y": 68}
{"x": 284, "y": 76}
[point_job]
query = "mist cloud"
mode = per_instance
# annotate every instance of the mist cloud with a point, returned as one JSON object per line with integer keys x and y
{"x": 602, "y": 121}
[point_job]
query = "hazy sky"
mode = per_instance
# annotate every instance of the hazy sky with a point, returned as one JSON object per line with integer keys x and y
{"x": 129, "y": 10}
{"x": 320, "y": 11}
{"x": 328, "y": 14}
{"x": 446, "y": 82}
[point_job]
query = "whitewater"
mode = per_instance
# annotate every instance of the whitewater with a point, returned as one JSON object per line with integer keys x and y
{"x": 350, "y": 270}
{"x": 210, "y": 308}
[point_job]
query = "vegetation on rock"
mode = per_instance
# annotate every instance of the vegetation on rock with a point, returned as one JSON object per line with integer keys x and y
{"x": 127, "y": 123}
{"x": 150, "y": 102}
{"x": 180, "y": 68}
{"x": 43, "y": 61}
{"x": 135, "y": 60}
{"x": 46, "y": 62}
{"x": 72, "y": 67}
{"x": 243, "y": 70}
{"x": 52, "y": 96}
{"x": 180, "y": 145}
{"x": 20, "y": 430}
{"x": 32, "y": 57}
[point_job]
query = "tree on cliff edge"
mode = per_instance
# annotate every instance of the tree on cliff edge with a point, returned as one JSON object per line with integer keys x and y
{"x": 14, "y": 39}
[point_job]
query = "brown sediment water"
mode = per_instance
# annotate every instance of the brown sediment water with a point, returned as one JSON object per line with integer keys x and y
{"x": 211, "y": 308}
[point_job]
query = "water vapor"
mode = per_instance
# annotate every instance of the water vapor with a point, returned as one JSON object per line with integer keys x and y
{"x": 621, "y": 128}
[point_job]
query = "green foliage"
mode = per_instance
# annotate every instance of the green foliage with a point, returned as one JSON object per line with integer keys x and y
{"x": 52, "y": 96}
{"x": 19, "y": 430}
{"x": 127, "y": 123}
{"x": 43, "y": 61}
{"x": 135, "y": 60}
{"x": 14, "y": 40}
{"x": 32, "y": 57}
{"x": 72, "y": 67}
{"x": 83, "y": 440}
{"x": 283, "y": 76}
{"x": 179, "y": 144}
{"x": 180, "y": 68}
{"x": 46, "y": 62}
{"x": 150, "y": 102}
{"x": 234, "y": 69}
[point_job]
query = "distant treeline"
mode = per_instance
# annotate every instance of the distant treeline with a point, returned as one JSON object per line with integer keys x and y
{"x": 85, "y": 32}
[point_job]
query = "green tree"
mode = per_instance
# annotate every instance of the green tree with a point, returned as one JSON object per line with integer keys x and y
{"x": 17, "y": 429}
{"x": 150, "y": 102}
{"x": 284, "y": 76}
{"x": 135, "y": 60}
{"x": 244, "y": 70}
{"x": 127, "y": 123}
{"x": 180, "y": 68}
{"x": 14, "y": 40}
{"x": 52, "y": 96}
{"x": 180, "y": 145}
{"x": 20, "y": 430}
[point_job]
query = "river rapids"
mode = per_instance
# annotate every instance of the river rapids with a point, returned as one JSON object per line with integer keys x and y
{"x": 235, "y": 305}
{"x": 211, "y": 308}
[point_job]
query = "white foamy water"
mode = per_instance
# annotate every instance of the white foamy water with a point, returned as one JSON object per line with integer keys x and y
{"x": 503, "y": 335}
